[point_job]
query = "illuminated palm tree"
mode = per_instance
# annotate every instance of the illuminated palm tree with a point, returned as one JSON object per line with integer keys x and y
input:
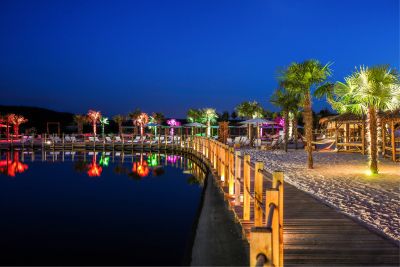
{"x": 288, "y": 102}
{"x": 194, "y": 115}
{"x": 103, "y": 121}
{"x": 119, "y": 119}
{"x": 80, "y": 120}
{"x": 249, "y": 110}
{"x": 16, "y": 121}
{"x": 366, "y": 92}
{"x": 133, "y": 116}
{"x": 209, "y": 115}
{"x": 301, "y": 79}
{"x": 94, "y": 117}
{"x": 141, "y": 121}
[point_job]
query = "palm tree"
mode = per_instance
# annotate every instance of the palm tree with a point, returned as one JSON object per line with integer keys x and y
{"x": 103, "y": 121}
{"x": 366, "y": 92}
{"x": 294, "y": 116}
{"x": 16, "y": 121}
{"x": 158, "y": 117}
{"x": 119, "y": 119}
{"x": 209, "y": 115}
{"x": 94, "y": 117}
{"x": 287, "y": 101}
{"x": 194, "y": 115}
{"x": 301, "y": 79}
{"x": 141, "y": 121}
{"x": 249, "y": 110}
{"x": 133, "y": 116}
{"x": 80, "y": 120}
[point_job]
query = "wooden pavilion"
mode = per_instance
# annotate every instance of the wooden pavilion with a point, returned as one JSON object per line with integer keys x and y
{"x": 391, "y": 134}
{"x": 348, "y": 130}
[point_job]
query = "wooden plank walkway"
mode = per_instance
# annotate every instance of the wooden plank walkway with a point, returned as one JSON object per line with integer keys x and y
{"x": 316, "y": 234}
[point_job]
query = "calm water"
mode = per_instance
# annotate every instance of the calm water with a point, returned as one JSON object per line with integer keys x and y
{"x": 77, "y": 209}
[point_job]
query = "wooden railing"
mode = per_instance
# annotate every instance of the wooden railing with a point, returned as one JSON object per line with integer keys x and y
{"x": 266, "y": 235}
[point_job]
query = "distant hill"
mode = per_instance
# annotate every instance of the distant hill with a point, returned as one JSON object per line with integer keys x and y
{"x": 38, "y": 117}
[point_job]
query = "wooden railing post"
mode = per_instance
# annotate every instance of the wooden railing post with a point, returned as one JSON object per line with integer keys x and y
{"x": 246, "y": 189}
{"x": 272, "y": 198}
{"x": 260, "y": 245}
{"x": 258, "y": 193}
{"x": 238, "y": 175}
{"x": 231, "y": 172}
{"x": 277, "y": 182}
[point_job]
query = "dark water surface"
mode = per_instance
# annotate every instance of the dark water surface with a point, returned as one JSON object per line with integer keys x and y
{"x": 89, "y": 210}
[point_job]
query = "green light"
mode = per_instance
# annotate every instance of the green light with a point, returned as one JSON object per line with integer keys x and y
{"x": 152, "y": 160}
{"x": 104, "y": 161}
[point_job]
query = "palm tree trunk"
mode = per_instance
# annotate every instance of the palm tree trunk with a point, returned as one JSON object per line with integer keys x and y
{"x": 94, "y": 128}
{"x": 16, "y": 130}
{"x": 295, "y": 136}
{"x": 308, "y": 121}
{"x": 373, "y": 148}
{"x": 286, "y": 117}
{"x": 80, "y": 128}
{"x": 119, "y": 128}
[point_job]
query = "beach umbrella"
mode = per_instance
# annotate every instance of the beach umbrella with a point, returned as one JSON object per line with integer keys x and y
{"x": 257, "y": 121}
{"x": 194, "y": 125}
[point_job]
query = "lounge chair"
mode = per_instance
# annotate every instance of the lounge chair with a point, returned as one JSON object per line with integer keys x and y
{"x": 257, "y": 143}
{"x": 229, "y": 141}
{"x": 118, "y": 139}
{"x": 108, "y": 139}
{"x": 237, "y": 140}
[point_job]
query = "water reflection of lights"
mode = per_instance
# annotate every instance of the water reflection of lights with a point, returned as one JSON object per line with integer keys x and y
{"x": 12, "y": 166}
{"x": 173, "y": 158}
{"x": 141, "y": 168}
{"x": 94, "y": 170}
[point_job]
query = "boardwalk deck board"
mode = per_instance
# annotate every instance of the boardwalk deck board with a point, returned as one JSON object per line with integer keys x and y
{"x": 316, "y": 234}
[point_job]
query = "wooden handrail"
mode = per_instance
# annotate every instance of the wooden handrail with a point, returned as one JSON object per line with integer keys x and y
{"x": 266, "y": 240}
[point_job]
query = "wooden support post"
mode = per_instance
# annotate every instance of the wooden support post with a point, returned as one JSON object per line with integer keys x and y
{"x": 393, "y": 141}
{"x": 383, "y": 138}
{"x": 336, "y": 136}
{"x": 238, "y": 174}
{"x": 258, "y": 193}
{"x": 347, "y": 129}
{"x": 272, "y": 198}
{"x": 227, "y": 162}
{"x": 246, "y": 188}
{"x": 277, "y": 180}
{"x": 260, "y": 244}
{"x": 231, "y": 171}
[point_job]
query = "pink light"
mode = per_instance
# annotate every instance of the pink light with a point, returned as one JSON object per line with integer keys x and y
{"x": 173, "y": 123}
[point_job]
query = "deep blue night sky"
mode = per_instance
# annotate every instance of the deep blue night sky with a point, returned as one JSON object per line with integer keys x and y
{"x": 169, "y": 56}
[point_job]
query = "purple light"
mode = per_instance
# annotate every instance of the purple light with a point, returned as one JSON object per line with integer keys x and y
{"x": 173, "y": 123}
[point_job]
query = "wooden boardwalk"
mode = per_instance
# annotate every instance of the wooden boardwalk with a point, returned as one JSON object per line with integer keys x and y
{"x": 316, "y": 234}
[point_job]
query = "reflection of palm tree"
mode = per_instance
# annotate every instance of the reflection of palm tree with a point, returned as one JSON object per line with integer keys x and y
{"x": 192, "y": 180}
{"x": 158, "y": 171}
{"x": 80, "y": 166}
